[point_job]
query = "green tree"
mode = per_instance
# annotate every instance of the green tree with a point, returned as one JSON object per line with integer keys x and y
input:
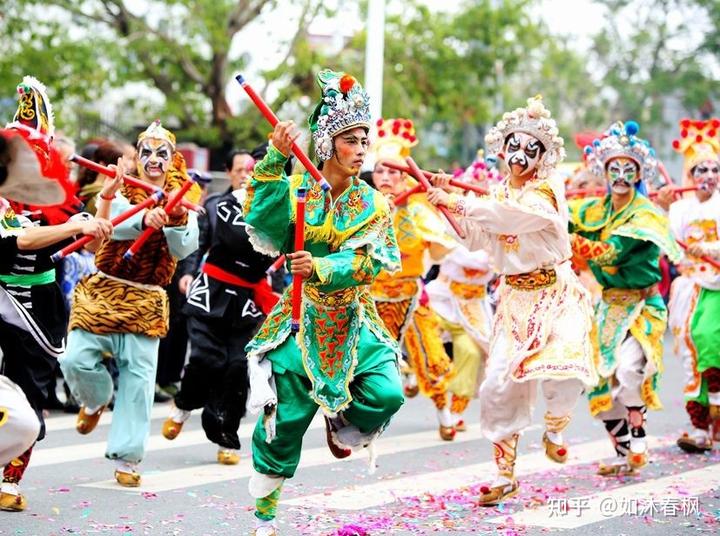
{"x": 181, "y": 48}
{"x": 441, "y": 69}
{"x": 645, "y": 53}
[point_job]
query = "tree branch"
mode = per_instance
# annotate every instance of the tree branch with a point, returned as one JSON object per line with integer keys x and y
{"x": 309, "y": 13}
{"x": 243, "y": 13}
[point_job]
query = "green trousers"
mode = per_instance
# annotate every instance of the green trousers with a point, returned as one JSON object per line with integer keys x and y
{"x": 705, "y": 333}
{"x": 377, "y": 395}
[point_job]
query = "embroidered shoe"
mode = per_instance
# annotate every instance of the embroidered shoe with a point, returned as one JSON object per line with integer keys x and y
{"x": 447, "y": 433}
{"x": 171, "y": 429}
{"x": 86, "y": 422}
{"x": 616, "y": 469}
{"x": 557, "y": 453}
{"x": 411, "y": 391}
{"x": 637, "y": 460}
{"x": 494, "y": 495}
{"x": 11, "y": 500}
{"x": 337, "y": 451}
{"x": 228, "y": 457}
{"x": 694, "y": 445}
{"x": 128, "y": 480}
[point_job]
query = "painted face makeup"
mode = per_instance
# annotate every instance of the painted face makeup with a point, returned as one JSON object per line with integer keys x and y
{"x": 351, "y": 148}
{"x": 386, "y": 180}
{"x": 522, "y": 153}
{"x": 621, "y": 174}
{"x": 706, "y": 175}
{"x": 154, "y": 156}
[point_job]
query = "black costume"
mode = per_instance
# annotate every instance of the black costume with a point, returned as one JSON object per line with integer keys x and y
{"x": 225, "y": 306}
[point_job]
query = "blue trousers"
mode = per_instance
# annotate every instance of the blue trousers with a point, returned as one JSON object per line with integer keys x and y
{"x": 91, "y": 384}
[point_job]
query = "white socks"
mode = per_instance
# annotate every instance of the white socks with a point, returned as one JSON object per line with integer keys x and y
{"x": 123, "y": 466}
{"x": 11, "y": 488}
{"x": 264, "y": 528}
{"x": 445, "y": 417}
{"x": 179, "y": 415}
{"x": 638, "y": 445}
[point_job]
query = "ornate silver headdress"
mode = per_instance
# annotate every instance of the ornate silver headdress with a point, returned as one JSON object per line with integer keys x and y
{"x": 534, "y": 120}
{"x": 621, "y": 140}
{"x": 344, "y": 105}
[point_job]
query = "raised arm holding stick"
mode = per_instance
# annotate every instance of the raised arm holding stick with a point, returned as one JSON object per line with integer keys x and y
{"x": 348, "y": 239}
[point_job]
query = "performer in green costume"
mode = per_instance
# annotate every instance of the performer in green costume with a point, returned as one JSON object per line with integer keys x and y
{"x": 621, "y": 236}
{"x": 342, "y": 360}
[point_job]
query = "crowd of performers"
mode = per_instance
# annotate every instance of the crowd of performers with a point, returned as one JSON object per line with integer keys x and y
{"x": 537, "y": 285}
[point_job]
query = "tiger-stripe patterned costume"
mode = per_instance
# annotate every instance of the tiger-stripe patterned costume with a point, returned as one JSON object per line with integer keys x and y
{"x": 126, "y": 296}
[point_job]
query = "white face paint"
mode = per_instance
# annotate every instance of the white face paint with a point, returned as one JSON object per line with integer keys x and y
{"x": 621, "y": 174}
{"x": 522, "y": 154}
{"x": 155, "y": 156}
{"x": 706, "y": 175}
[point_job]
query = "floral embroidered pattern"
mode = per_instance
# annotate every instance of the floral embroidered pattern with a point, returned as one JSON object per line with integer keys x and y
{"x": 601, "y": 253}
{"x": 510, "y": 243}
{"x": 540, "y": 278}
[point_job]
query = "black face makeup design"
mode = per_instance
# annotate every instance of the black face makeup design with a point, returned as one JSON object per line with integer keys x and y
{"x": 622, "y": 174}
{"x": 522, "y": 153}
{"x": 706, "y": 175}
{"x": 154, "y": 156}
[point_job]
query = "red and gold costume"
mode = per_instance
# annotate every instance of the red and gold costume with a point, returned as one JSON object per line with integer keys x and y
{"x": 399, "y": 297}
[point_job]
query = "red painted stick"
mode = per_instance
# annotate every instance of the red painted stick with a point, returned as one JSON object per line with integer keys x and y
{"x": 603, "y": 191}
{"x": 428, "y": 175}
{"x": 274, "y": 267}
{"x": 712, "y": 262}
{"x": 98, "y": 168}
{"x": 117, "y": 220}
{"x": 147, "y": 233}
{"x": 417, "y": 173}
{"x": 273, "y": 120}
{"x": 677, "y": 190}
{"x": 299, "y": 246}
{"x": 583, "y": 192}
{"x": 400, "y": 199}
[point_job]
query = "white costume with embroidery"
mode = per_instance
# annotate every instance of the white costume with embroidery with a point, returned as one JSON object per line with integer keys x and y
{"x": 542, "y": 323}
{"x": 692, "y": 221}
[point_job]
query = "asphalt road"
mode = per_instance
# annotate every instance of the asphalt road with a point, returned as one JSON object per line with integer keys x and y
{"x": 422, "y": 486}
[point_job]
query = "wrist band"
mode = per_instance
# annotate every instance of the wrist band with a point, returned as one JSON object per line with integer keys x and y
{"x": 107, "y": 198}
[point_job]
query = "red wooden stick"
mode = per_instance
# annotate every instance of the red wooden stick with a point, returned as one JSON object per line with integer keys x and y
{"x": 299, "y": 246}
{"x": 273, "y": 120}
{"x": 147, "y": 233}
{"x": 583, "y": 192}
{"x": 400, "y": 199}
{"x": 81, "y": 242}
{"x": 417, "y": 173}
{"x": 428, "y": 174}
{"x": 274, "y": 267}
{"x": 712, "y": 262}
{"x": 98, "y": 168}
{"x": 677, "y": 190}
{"x": 603, "y": 191}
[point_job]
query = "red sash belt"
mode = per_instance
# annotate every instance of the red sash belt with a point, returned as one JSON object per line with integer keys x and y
{"x": 263, "y": 295}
